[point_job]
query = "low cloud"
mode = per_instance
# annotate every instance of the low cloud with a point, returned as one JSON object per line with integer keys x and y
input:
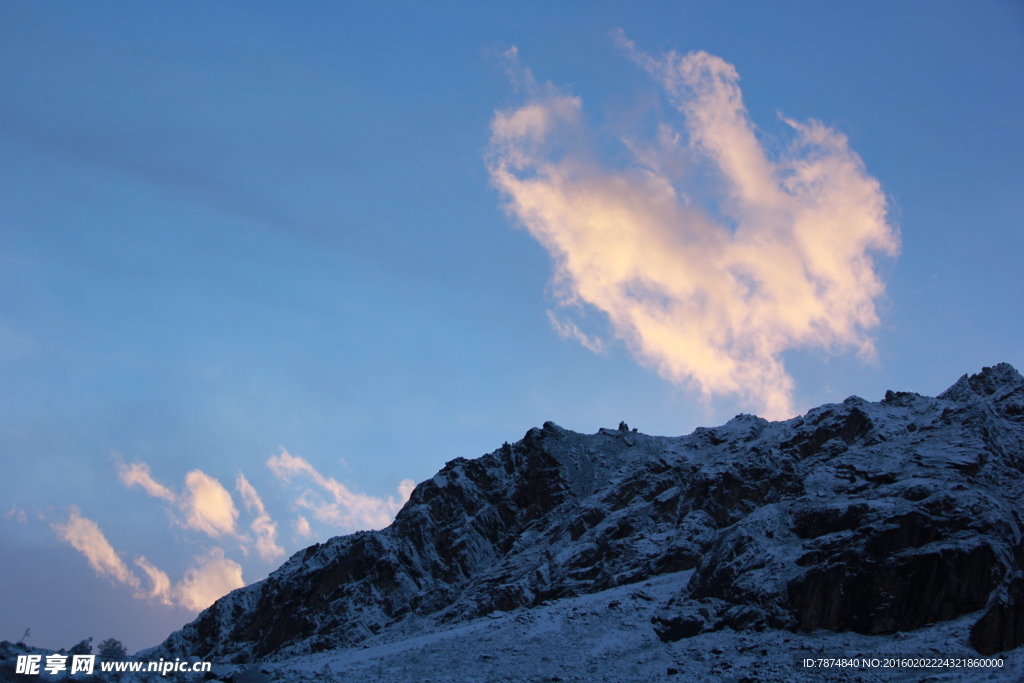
{"x": 160, "y": 583}
{"x": 707, "y": 282}
{"x": 343, "y": 508}
{"x": 262, "y": 526}
{"x": 205, "y": 505}
{"x": 85, "y": 536}
{"x": 302, "y": 527}
{"x": 213, "y": 577}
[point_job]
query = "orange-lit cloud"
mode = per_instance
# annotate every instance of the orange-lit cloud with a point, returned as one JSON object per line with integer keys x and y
{"x": 160, "y": 583}
{"x": 137, "y": 474}
{"x": 85, "y": 536}
{"x": 205, "y": 505}
{"x": 707, "y": 286}
{"x": 263, "y": 526}
{"x": 208, "y": 506}
{"x": 213, "y": 577}
{"x": 344, "y": 508}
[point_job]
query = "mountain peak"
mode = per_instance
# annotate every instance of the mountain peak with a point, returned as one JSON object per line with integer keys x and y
{"x": 996, "y": 381}
{"x": 871, "y": 517}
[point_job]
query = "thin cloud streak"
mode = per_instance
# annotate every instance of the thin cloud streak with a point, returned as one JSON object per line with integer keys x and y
{"x": 85, "y": 536}
{"x": 566, "y": 329}
{"x": 262, "y": 526}
{"x": 345, "y": 509}
{"x": 710, "y": 303}
{"x": 160, "y": 583}
{"x": 137, "y": 474}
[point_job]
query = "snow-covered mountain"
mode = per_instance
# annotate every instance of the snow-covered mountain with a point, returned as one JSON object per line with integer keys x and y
{"x": 859, "y": 517}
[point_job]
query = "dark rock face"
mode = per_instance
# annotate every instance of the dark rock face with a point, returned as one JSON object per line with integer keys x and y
{"x": 1001, "y": 627}
{"x": 871, "y": 517}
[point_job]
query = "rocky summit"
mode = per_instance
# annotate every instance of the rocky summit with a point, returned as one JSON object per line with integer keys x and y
{"x": 864, "y": 517}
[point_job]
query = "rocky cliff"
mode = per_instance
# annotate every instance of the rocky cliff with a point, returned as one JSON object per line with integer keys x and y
{"x": 858, "y": 516}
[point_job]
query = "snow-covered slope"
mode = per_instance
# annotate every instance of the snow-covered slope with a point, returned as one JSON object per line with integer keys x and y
{"x": 606, "y": 637}
{"x": 859, "y": 517}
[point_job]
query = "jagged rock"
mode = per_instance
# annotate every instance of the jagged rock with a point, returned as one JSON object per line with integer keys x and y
{"x": 1001, "y": 627}
{"x": 871, "y": 517}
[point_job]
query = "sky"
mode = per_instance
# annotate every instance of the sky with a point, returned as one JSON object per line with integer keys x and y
{"x": 265, "y": 267}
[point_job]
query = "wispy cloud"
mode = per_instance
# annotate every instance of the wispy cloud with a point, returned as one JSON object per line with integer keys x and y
{"x": 137, "y": 474}
{"x": 211, "y": 576}
{"x": 205, "y": 505}
{"x": 17, "y": 514}
{"x": 160, "y": 583}
{"x": 85, "y": 536}
{"x": 262, "y": 526}
{"x": 344, "y": 508}
{"x": 707, "y": 286}
{"x": 567, "y": 329}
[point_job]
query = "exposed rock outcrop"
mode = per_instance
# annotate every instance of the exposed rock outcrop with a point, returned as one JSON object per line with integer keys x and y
{"x": 871, "y": 517}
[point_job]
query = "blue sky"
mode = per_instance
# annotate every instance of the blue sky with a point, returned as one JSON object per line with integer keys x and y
{"x": 249, "y": 239}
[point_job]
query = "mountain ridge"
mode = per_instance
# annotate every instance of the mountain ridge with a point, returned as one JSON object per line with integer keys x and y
{"x": 873, "y": 517}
